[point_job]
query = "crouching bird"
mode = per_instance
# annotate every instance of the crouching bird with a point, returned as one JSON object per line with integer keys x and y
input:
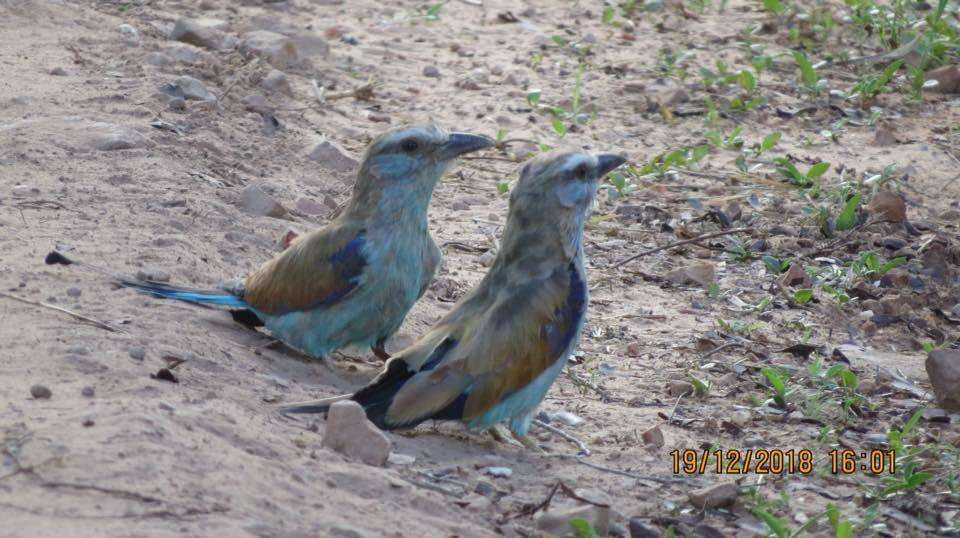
{"x": 493, "y": 357}
{"x": 353, "y": 281}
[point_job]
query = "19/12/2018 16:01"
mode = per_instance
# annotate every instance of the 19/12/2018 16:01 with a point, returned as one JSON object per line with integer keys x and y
{"x": 778, "y": 461}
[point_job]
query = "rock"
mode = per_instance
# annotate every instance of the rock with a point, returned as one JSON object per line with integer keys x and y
{"x": 74, "y": 292}
{"x": 887, "y": 205}
{"x": 137, "y": 353}
{"x": 197, "y": 32}
{"x": 58, "y": 72}
{"x": 677, "y": 388}
{"x": 431, "y": 71}
{"x": 351, "y": 434}
{"x": 653, "y": 437}
{"x": 311, "y": 207}
{"x": 188, "y": 88}
{"x": 893, "y": 243}
{"x": 943, "y": 369}
{"x": 24, "y": 191}
{"x": 883, "y": 136}
{"x": 617, "y": 530}
{"x": 460, "y": 205}
{"x": 88, "y": 392}
{"x": 257, "y": 103}
{"x": 40, "y": 392}
{"x": 895, "y": 278}
{"x": 177, "y": 104}
{"x": 634, "y": 86}
{"x": 947, "y": 78}
{"x": 485, "y": 488}
{"x": 557, "y": 520}
{"x": 640, "y": 529}
{"x": 715, "y": 496}
{"x": 400, "y": 459}
{"x": 499, "y": 472}
{"x": 277, "y": 81}
{"x": 76, "y": 134}
{"x": 950, "y": 214}
{"x": 277, "y": 49}
{"x": 153, "y": 274}
{"x": 332, "y": 157}
{"x": 795, "y": 276}
{"x": 701, "y": 274}
{"x": 634, "y": 350}
{"x": 130, "y": 35}
{"x": 158, "y": 59}
{"x": 741, "y": 418}
{"x": 487, "y": 258}
{"x": 255, "y": 201}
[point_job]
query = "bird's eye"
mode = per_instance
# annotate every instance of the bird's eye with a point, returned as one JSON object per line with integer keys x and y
{"x": 409, "y": 145}
{"x": 581, "y": 172}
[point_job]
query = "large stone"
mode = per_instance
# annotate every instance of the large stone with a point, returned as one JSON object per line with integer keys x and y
{"x": 701, "y": 274}
{"x": 715, "y": 496}
{"x": 201, "y": 32}
{"x": 277, "y": 49}
{"x": 351, "y": 434}
{"x": 73, "y": 133}
{"x": 887, "y": 205}
{"x": 943, "y": 369}
{"x": 277, "y": 81}
{"x": 947, "y": 77}
{"x": 333, "y": 158}
{"x": 188, "y": 88}
{"x": 257, "y": 202}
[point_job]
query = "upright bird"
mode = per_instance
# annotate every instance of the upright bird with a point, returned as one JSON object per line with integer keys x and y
{"x": 353, "y": 281}
{"x": 493, "y": 357}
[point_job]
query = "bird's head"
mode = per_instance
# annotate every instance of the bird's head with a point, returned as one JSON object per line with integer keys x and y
{"x": 555, "y": 191}
{"x": 401, "y": 166}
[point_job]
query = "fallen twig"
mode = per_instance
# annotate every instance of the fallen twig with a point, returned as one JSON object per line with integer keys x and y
{"x": 85, "y": 319}
{"x": 580, "y": 444}
{"x": 621, "y": 263}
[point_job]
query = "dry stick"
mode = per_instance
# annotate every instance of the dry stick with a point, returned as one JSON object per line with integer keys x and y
{"x": 680, "y": 243}
{"x": 580, "y": 444}
{"x": 71, "y": 313}
{"x": 660, "y": 480}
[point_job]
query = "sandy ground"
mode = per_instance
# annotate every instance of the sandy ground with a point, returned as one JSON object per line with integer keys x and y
{"x": 96, "y": 162}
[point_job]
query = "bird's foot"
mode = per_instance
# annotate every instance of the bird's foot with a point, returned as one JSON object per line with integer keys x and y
{"x": 497, "y": 435}
{"x": 380, "y": 353}
{"x": 527, "y": 443}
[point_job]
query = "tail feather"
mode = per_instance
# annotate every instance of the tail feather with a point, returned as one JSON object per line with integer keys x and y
{"x": 190, "y": 295}
{"x": 312, "y": 407}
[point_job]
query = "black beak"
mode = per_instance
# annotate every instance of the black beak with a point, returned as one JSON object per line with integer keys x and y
{"x": 462, "y": 143}
{"x": 607, "y": 162}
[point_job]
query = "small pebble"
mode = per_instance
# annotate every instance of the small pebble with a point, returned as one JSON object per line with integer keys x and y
{"x": 431, "y": 71}
{"x": 74, "y": 292}
{"x": 137, "y": 353}
{"x": 87, "y": 422}
{"x": 499, "y": 472}
{"x": 88, "y": 392}
{"x": 40, "y": 392}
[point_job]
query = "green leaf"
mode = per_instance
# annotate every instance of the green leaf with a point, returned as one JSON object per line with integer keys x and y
{"x": 501, "y": 134}
{"x": 912, "y": 422}
{"x": 747, "y": 82}
{"x": 433, "y": 13}
{"x": 559, "y": 127}
{"x": 503, "y": 187}
{"x": 575, "y": 103}
{"x": 817, "y": 170}
{"x": 582, "y": 528}
{"x": 699, "y": 152}
{"x": 769, "y": 141}
{"x": 848, "y": 215}
{"x": 849, "y": 379}
{"x": 775, "y": 524}
{"x": 775, "y": 378}
{"x": 533, "y": 97}
{"x": 808, "y": 75}
{"x": 608, "y": 13}
{"x": 773, "y": 6}
{"x": 559, "y": 40}
{"x": 888, "y": 73}
{"x": 844, "y": 529}
{"x": 802, "y": 296}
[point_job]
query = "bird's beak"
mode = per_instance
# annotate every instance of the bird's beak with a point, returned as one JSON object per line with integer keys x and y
{"x": 607, "y": 162}
{"x": 462, "y": 143}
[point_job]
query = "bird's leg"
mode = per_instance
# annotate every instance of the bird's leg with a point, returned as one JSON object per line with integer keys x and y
{"x": 527, "y": 442}
{"x": 380, "y": 352}
{"x": 497, "y": 436}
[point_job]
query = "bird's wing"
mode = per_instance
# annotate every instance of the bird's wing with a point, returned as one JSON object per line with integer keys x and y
{"x": 317, "y": 270}
{"x": 497, "y": 349}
